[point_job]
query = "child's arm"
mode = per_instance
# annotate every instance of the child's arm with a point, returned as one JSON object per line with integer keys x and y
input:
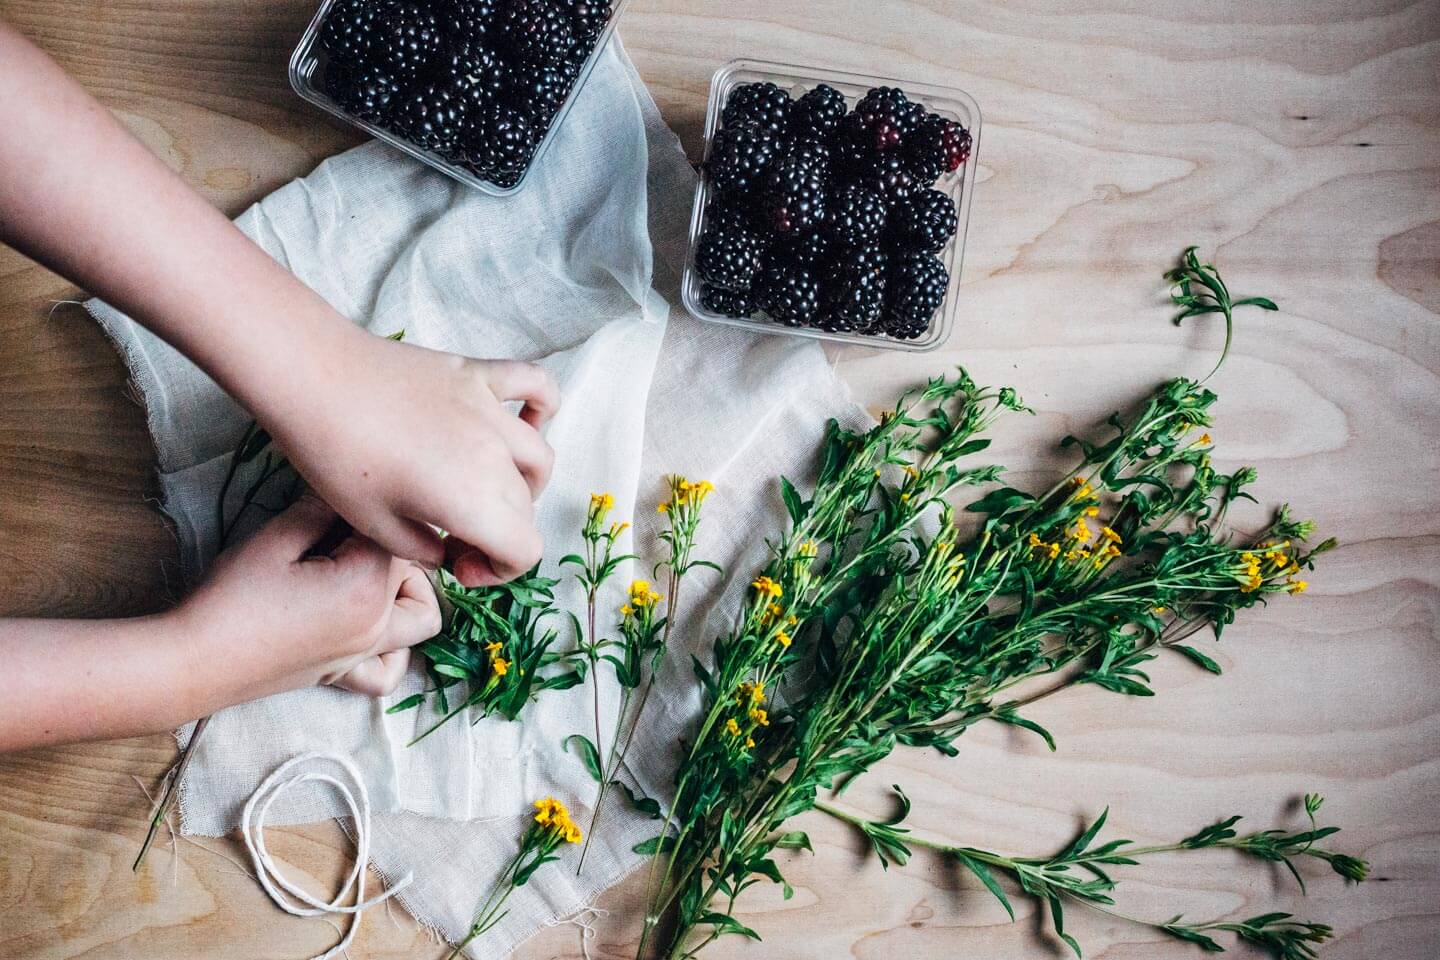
{"x": 268, "y": 618}
{"x": 393, "y": 435}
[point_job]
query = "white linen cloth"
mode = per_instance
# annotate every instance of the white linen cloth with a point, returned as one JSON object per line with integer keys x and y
{"x": 578, "y": 271}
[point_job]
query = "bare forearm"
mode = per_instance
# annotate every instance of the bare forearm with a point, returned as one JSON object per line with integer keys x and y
{"x": 81, "y": 195}
{"x": 67, "y": 680}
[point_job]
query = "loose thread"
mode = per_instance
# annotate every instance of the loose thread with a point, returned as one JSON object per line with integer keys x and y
{"x": 299, "y": 903}
{"x": 585, "y": 918}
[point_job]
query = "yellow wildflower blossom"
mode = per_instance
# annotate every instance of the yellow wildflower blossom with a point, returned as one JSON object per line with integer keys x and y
{"x": 783, "y": 638}
{"x": 768, "y": 587}
{"x": 807, "y": 549}
{"x": 500, "y": 666}
{"x": 749, "y": 743}
{"x": 493, "y": 648}
{"x": 732, "y": 728}
{"x": 1110, "y": 535}
{"x": 1298, "y": 586}
{"x": 601, "y": 502}
{"x": 760, "y": 717}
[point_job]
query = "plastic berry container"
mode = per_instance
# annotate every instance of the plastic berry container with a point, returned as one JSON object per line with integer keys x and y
{"x": 309, "y": 62}
{"x": 948, "y": 102}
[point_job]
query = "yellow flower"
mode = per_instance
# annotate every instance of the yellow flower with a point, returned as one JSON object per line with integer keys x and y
{"x": 904, "y": 498}
{"x": 663, "y": 507}
{"x": 749, "y": 743}
{"x": 601, "y": 502}
{"x": 757, "y": 693}
{"x": 500, "y": 666}
{"x": 573, "y": 834}
{"x": 1204, "y": 440}
{"x": 767, "y": 587}
{"x": 549, "y": 810}
{"x": 618, "y": 528}
{"x": 783, "y": 638}
{"x": 641, "y": 596}
{"x": 1080, "y": 531}
{"x": 627, "y": 611}
{"x": 1157, "y": 610}
{"x": 911, "y": 472}
{"x": 1107, "y": 534}
{"x": 807, "y": 549}
{"x": 759, "y": 717}
{"x": 493, "y": 648}
{"x": 1298, "y": 586}
{"x": 1092, "y": 511}
{"x": 732, "y": 728}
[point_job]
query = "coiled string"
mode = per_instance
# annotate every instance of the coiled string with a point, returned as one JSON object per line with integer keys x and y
{"x": 286, "y": 895}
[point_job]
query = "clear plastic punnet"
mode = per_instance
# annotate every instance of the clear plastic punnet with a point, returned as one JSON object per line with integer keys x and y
{"x": 948, "y": 102}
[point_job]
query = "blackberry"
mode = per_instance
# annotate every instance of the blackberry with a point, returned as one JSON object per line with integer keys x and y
{"x": 856, "y": 216}
{"x": 589, "y": 17}
{"x": 431, "y": 117}
{"x": 851, "y": 148}
{"x": 361, "y": 90}
{"x": 939, "y": 147}
{"x": 790, "y": 295}
{"x": 888, "y": 109}
{"x": 348, "y": 33}
{"x": 818, "y": 113}
{"x": 500, "y": 143}
{"x": 406, "y": 39}
{"x": 923, "y": 222}
{"x": 472, "y": 66}
{"x": 728, "y": 212}
{"x": 855, "y": 291}
{"x": 916, "y": 288}
{"x": 805, "y": 249}
{"x": 762, "y": 103}
{"x": 727, "y": 303}
{"x": 888, "y": 176}
{"x": 739, "y": 155}
{"x": 537, "y": 91}
{"x": 796, "y": 184}
{"x": 470, "y": 20}
{"x": 729, "y": 257}
{"x": 539, "y": 31}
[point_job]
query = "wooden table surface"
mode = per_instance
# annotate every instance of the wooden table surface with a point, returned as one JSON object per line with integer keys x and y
{"x": 1296, "y": 141}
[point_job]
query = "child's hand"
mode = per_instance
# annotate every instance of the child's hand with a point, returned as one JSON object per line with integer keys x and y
{"x": 272, "y": 612}
{"x": 400, "y": 439}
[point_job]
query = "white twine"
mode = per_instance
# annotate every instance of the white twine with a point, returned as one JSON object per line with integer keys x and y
{"x": 584, "y": 918}
{"x": 252, "y": 828}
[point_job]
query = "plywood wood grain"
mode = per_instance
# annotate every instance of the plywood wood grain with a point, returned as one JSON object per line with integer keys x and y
{"x": 1296, "y": 141}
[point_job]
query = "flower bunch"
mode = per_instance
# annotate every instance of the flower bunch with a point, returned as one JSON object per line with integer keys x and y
{"x": 644, "y": 638}
{"x": 497, "y": 643}
{"x": 549, "y": 829}
{"x": 910, "y": 621}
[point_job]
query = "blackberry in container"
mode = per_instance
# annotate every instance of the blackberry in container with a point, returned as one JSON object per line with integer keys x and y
{"x": 474, "y": 88}
{"x": 853, "y": 190}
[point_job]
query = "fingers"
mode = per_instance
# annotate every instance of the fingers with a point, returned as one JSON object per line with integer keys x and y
{"x": 299, "y": 528}
{"x": 405, "y": 538}
{"x": 378, "y": 675}
{"x": 533, "y": 457}
{"x": 515, "y": 380}
{"x": 415, "y": 617}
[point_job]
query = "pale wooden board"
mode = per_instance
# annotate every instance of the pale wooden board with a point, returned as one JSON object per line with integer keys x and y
{"x": 1296, "y": 141}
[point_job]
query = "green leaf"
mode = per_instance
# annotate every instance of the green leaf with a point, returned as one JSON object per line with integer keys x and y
{"x": 409, "y": 703}
{"x": 986, "y": 877}
{"x": 794, "y": 840}
{"x": 1189, "y": 935}
{"x": 646, "y": 805}
{"x": 1008, "y": 715}
{"x": 794, "y": 504}
{"x": 1196, "y": 656}
{"x": 589, "y": 755}
{"x": 654, "y": 845}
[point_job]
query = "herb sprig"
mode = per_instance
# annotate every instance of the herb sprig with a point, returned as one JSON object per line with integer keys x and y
{"x": 1081, "y": 872}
